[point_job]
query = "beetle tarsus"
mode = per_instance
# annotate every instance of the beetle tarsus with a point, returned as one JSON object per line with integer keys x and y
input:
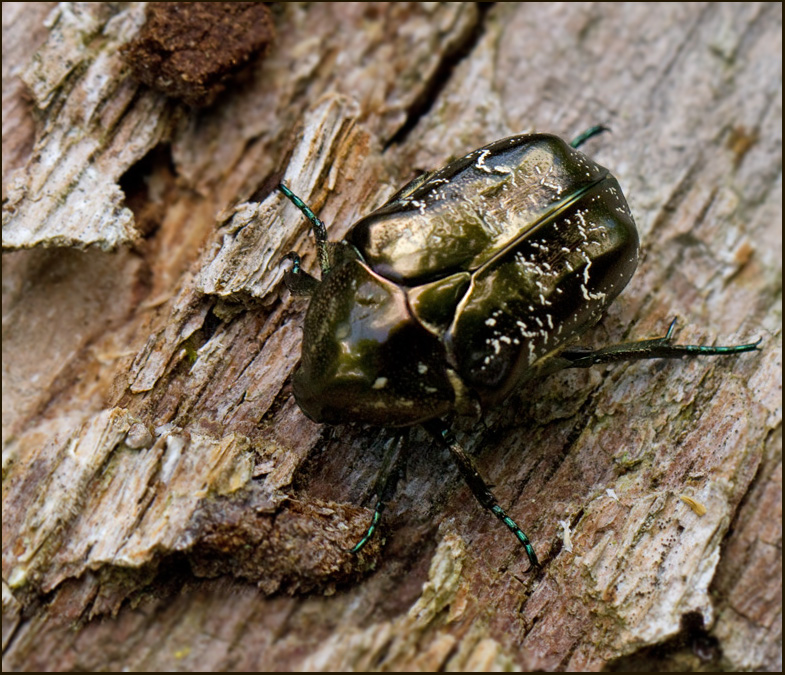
{"x": 498, "y": 511}
{"x": 377, "y": 517}
{"x": 479, "y": 488}
{"x": 318, "y": 227}
{"x": 591, "y": 132}
{"x": 656, "y": 348}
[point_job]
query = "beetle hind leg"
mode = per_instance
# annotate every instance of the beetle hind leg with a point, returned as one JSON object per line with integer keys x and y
{"x": 386, "y": 482}
{"x": 657, "y": 348}
{"x": 480, "y": 490}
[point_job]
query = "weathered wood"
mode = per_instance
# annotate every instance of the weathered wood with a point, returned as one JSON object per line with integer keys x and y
{"x": 165, "y": 503}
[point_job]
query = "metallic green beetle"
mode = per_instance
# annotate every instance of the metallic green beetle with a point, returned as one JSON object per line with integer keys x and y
{"x": 470, "y": 280}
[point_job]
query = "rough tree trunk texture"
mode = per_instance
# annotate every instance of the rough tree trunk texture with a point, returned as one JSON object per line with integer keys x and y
{"x": 165, "y": 503}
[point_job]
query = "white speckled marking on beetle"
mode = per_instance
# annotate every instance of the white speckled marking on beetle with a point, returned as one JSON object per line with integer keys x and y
{"x": 419, "y": 205}
{"x": 480, "y": 165}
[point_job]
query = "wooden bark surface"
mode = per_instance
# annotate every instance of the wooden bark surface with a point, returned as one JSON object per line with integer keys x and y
{"x": 165, "y": 503}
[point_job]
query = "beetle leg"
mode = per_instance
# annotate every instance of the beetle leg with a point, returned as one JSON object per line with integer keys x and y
{"x": 591, "y": 132}
{"x": 658, "y": 348}
{"x": 297, "y": 281}
{"x": 386, "y": 482}
{"x": 480, "y": 490}
{"x": 318, "y": 227}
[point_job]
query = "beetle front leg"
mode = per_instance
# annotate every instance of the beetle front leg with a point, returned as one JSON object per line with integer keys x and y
{"x": 297, "y": 281}
{"x": 318, "y": 227}
{"x": 480, "y": 490}
{"x": 387, "y": 480}
{"x": 658, "y": 348}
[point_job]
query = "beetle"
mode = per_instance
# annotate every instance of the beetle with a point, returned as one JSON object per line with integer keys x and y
{"x": 469, "y": 281}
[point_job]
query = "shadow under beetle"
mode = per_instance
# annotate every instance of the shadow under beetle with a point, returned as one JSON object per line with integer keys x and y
{"x": 471, "y": 280}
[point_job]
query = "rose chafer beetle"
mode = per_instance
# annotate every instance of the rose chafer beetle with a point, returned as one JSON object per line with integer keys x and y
{"x": 471, "y": 280}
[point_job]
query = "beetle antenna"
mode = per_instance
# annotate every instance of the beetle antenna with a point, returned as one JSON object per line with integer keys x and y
{"x": 480, "y": 490}
{"x": 318, "y": 227}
